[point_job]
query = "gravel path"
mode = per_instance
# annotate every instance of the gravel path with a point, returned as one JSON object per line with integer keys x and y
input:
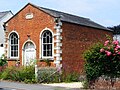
{"x": 66, "y": 85}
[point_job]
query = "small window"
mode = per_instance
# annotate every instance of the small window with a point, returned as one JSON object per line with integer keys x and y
{"x": 47, "y": 44}
{"x": 29, "y": 16}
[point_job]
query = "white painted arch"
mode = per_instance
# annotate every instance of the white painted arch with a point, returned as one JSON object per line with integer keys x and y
{"x": 23, "y": 49}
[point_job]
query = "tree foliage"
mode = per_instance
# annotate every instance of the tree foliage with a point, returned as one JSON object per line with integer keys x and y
{"x": 116, "y": 29}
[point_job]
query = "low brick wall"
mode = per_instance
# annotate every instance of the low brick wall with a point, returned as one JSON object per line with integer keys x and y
{"x": 105, "y": 83}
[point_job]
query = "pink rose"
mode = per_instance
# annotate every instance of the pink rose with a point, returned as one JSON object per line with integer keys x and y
{"x": 119, "y": 53}
{"x": 118, "y": 46}
{"x": 116, "y": 42}
{"x": 116, "y": 49}
{"x": 102, "y": 50}
{"x": 106, "y": 43}
{"x": 114, "y": 54}
{"x": 108, "y": 53}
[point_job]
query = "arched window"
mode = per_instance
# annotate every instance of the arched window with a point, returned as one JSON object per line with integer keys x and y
{"x": 13, "y": 43}
{"x": 47, "y": 44}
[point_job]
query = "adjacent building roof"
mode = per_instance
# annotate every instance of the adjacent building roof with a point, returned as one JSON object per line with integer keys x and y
{"x": 2, "y": 14}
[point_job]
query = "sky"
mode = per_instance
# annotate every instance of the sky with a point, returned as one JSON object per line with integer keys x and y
{"x": 104, "y": 12}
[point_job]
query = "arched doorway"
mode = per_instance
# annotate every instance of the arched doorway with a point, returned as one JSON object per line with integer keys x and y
{"x": 29, "y": 53}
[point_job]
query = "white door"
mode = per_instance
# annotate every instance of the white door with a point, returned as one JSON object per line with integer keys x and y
{"x": 29, "y": 54}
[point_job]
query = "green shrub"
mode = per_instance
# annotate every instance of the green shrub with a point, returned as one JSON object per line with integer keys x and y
{"x": 24, "y": 74}
{"x": 28, "y": 73}
{"x": 48, "y": 75}
{"x": 3, "y": 60}
{"x": 92, "y": 65}
{"x": 103, "y": 60}
{"x": 71, "y": 77}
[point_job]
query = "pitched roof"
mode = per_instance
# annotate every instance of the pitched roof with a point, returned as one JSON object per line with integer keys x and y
{"x": 2, "y": 14}
{"x": 73, "y": 18}
{"x": 68, "y": 17}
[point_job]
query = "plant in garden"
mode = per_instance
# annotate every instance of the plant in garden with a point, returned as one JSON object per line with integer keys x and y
{"x": 103, "y": 59}
{"x": 3, "y": 60}
{"x": 21, "y": 74}
{"x": 71, "y": 77}
{"x": 48, "y": 75}
{"x": 47, "y": 61}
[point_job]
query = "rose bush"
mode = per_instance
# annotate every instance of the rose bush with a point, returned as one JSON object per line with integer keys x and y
{"x": 103, "y": 59}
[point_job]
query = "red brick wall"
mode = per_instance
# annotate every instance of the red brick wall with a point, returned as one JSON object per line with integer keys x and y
{"x": 76, "y": 39}
{"x": 33, "y": 27}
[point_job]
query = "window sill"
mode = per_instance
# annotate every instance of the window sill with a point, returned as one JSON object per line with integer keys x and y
{"x": 51, "y": 59}
{"x": 13, "y": 59}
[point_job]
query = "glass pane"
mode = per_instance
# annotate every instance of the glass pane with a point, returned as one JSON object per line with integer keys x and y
{"x": 44, "y": 41}
{"x": 47, "y": 39}
{"x": 44, "y": 47}
{"x": 44, "y": 53}
{"x": 16, "y": 41}
{"x": 12, "y": 36}
{"x": 15, "y": 35}
{"x": 48, "y": 53}
{"x": 11, "y": 41}
{"x": 16, "y": 53}
{"x": 16, "y": 47}
{"x": 12, "y": 47}
{"x": 48, "y": 47}
{"x": 50, "y": 39}
{"x": 44, "y": 34}
{"x": 12, "y": 53}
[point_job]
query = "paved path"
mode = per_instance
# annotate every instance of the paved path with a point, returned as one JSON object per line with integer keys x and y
{"x": 4, "y": 85}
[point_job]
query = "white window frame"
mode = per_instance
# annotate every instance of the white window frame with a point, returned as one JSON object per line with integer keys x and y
{"x": 41, "y": 44}
{"x": 9, "y": 48}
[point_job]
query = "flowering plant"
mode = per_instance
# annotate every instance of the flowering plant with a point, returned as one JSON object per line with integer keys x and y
{"x": 111, "y": 49}
{"x": 103, "y": 59}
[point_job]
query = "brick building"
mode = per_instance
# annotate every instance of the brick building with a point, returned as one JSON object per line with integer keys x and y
{"x": 40, "y": 33}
